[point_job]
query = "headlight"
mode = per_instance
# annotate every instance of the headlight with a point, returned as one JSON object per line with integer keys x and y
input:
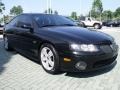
{"x": 114, "y": 42}
{"x": 84, "y": 47}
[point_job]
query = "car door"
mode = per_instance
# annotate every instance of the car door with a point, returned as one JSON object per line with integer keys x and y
{"x": 10, "y": 30}
{"x": 88, "y": 22}
{"x": 26, "y": 38}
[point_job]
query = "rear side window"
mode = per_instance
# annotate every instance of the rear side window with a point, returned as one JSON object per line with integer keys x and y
{"x": 40, "y": 20}
{"x": 43, "y": 20}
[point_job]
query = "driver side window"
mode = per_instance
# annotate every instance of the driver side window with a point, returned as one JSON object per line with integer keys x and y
{"x": 89, "y": 19}
{"x": 24, "y": 20}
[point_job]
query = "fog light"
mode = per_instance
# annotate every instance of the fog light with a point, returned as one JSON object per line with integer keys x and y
{"x": 81, "y": 65}
{"x": 67, "y": 59}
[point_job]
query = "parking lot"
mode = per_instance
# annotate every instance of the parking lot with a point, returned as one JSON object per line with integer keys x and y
{"x": 19, "y": 73}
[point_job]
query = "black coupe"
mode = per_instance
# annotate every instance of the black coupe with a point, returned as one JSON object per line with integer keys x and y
{"x": 59, "y": 44}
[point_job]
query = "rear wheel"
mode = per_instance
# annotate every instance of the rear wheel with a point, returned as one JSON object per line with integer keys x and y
{"x": 49, "y": 59}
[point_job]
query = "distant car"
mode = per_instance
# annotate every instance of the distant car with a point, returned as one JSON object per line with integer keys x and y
{"x": 90, "y": 22}
{"x": 118, "y": 21}
{"x": 104, "y": 23}
{"x": 77, "y": 22}
{"x": 1, "y": 29}
{"x": 59, "y": 44}
{"x": 112, "y": 23}
{"x": 1, "y": 25}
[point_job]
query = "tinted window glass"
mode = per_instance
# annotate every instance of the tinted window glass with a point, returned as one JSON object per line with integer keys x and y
{"x": 23, "y": 19}
{"x": 55, "y": 20}
{"x": 13, "y": 22}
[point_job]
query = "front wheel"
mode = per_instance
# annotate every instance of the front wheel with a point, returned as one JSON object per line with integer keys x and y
{"x": 49, "y": 59}
{"x": 7, "y": 44}
{"x": 97, "y": 26}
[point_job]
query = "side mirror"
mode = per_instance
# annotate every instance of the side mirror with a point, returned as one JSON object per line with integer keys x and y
{"x": 26, "y": 26}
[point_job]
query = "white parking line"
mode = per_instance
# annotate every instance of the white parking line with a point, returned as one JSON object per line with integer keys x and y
{"x": 110, "y": 30}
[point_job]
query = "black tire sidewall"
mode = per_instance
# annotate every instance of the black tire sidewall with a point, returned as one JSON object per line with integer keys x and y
{"x": 56, "y": 59}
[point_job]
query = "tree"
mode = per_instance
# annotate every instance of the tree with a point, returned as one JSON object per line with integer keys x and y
{"x": 97, "y": 8}
{"x": 49, "y": 11}
{"x": 16, "y": 10}
{"x": 117, "y": 13}
{"x": 74, "y": 15}
{"x": 56, "y": 12}
{"x": 107, "y": 15}
{"x": 1, "y": 20}
{"x": 2, "y": 7}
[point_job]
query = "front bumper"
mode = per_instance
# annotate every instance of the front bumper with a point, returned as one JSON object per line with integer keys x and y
{"x": 94, "y": 61}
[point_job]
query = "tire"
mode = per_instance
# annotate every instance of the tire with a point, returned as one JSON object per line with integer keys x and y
{"x": 7, "y": 44}
{"x": 97, "y": 26}
{"x": 83, "y": 25}
{"x": 111, "y": 25}
{"x": 49, "y": 58}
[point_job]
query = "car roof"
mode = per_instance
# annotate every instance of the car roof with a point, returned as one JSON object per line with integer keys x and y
{"x": 33, "y": 14}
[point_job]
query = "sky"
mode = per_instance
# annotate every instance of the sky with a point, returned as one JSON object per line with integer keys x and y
{"x": 64, "y": 7}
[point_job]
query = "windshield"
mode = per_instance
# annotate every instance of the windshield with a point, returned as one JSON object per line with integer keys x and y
{"x": 52, "y": 20}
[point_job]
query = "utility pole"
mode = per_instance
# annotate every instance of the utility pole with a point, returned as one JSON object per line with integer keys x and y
{"x": 49, "y": 6}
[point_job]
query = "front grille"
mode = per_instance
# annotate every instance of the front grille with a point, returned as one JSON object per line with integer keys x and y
{"x": 104, "y": 62}
{"x": 106, "y": 48}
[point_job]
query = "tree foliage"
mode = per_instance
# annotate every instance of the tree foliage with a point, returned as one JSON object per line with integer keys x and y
{"x": 74, "y": 15}
{"x": 98, "y": 13}
{"x": 117, "y": 13}
{"x": 56, "y": 12}
{"x": 16, "y": 10}
{"x": 107, "y": 15}
{"x": 97, "y": 8}
{"x": 49, "y": 11}
{"x": 2, "y": 7}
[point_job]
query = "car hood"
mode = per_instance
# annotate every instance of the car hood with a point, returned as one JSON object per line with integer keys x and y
{"x": 75, "y": 34}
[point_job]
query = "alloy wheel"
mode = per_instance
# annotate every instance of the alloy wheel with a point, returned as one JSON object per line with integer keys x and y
{"x": 47, "y": 58}
{"x": 6, "y": 43}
